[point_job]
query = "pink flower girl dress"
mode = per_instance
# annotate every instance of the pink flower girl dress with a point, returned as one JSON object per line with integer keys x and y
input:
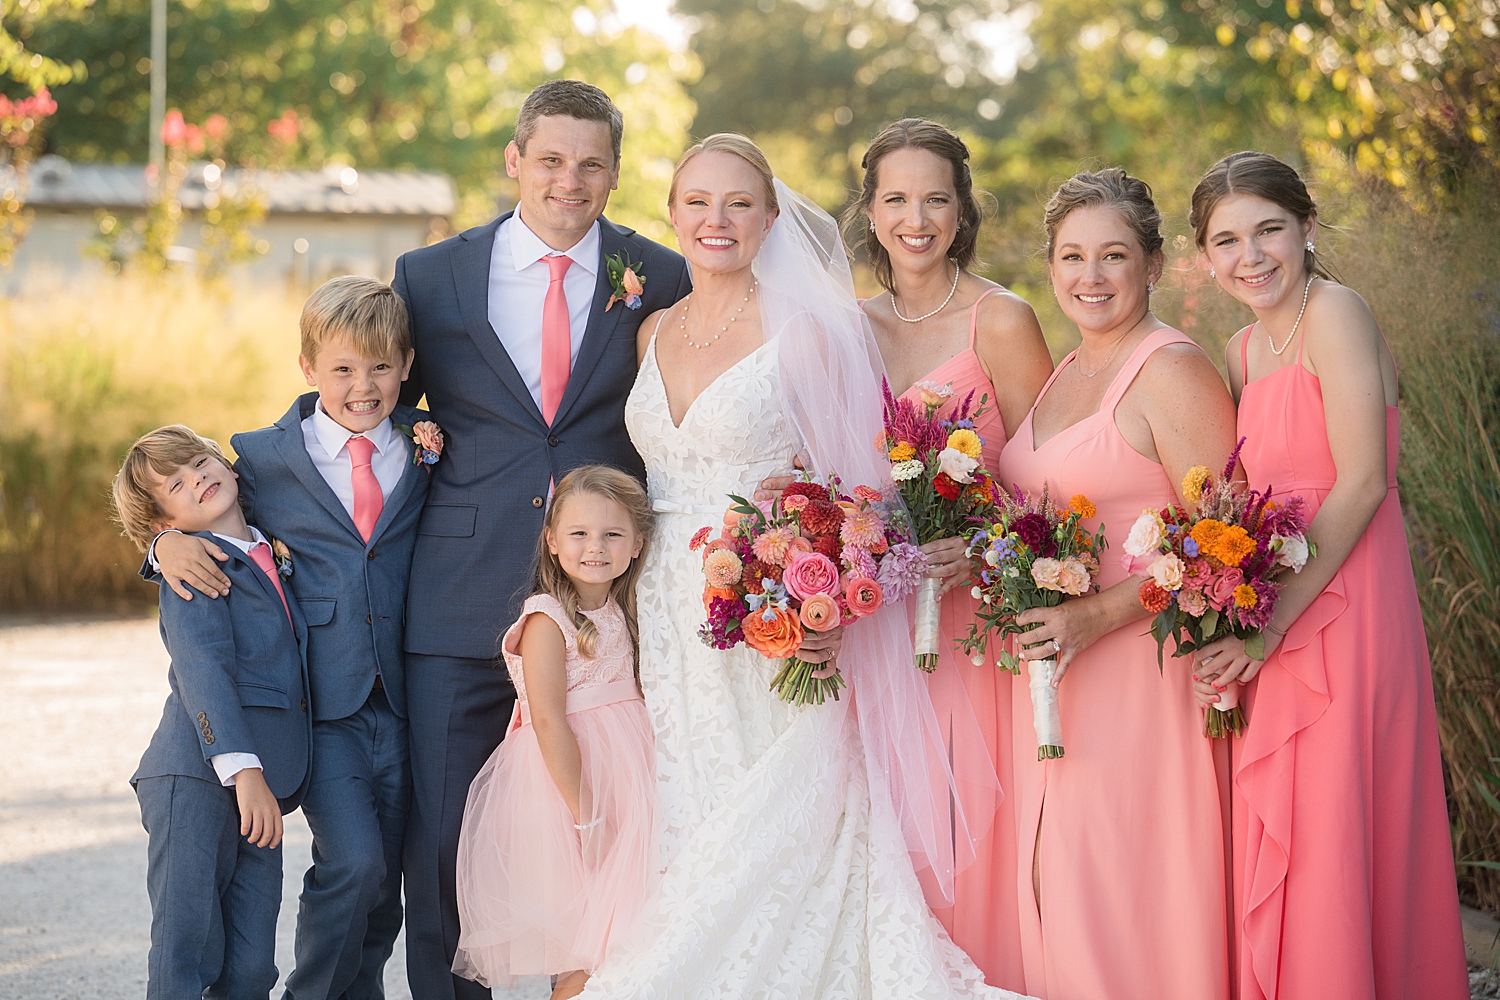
{"x": 536, "y": 894}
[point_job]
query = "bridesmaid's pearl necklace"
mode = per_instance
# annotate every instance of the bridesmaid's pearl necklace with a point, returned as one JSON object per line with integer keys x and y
{"x": 1288, "y": 342}
{"x": 939, "y": 309}
{"x": 722, "y": 329}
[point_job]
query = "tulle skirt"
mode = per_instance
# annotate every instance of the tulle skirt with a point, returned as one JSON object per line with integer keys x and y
{"x": 535, "y": 895}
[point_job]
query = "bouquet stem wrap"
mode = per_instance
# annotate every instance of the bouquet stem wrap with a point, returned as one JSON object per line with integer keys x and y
{"x": 929, "y": 603}
{"x": 1225, "y": 717}
{"x": 1044, "y": 713}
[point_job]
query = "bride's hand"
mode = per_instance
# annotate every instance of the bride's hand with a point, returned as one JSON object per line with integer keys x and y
{"x": 947, "y": 561}
{"x": 771, "y": 486}
{"x": 820, "y": 647}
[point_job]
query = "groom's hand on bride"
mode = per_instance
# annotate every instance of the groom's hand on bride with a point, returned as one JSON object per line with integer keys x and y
{"x": 820, "y": 647}
{"x": 771, "y": 486}
{"x": 190, "y": 560}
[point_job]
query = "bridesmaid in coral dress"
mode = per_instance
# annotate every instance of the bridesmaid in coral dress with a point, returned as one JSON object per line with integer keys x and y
{"x": 1344, "y": 876}
{"x": 1122, "y": 887}
{"x": 924, "y": 224}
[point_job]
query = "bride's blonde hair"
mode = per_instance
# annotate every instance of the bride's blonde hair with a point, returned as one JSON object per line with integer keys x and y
{"x": 730, "y": 142}
{"x": 618, "y": 487}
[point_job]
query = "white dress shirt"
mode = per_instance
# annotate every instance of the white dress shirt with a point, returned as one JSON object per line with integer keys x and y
{"x": 518, "y": 288}
{"x": 327, "y": 445}
{"x": 227, "y": 765}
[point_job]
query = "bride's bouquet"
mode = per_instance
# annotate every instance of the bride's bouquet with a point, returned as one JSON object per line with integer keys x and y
{"x": 1214, "y": 573}
{"x": 935, "y": 465}
{"x": 1034, "y": 555}
{"x": 812, "y": 559}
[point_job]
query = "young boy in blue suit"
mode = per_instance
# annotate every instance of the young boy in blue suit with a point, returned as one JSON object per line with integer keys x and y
{"x": 341, "y": 478}
{"x": 231, "y": 752}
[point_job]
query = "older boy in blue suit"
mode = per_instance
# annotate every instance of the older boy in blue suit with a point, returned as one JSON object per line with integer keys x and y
{"x": 339, "y": 480}
{"x": 231, "y": 752}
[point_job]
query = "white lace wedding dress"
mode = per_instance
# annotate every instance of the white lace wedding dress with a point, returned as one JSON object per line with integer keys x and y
{"x": 779, "y": 878}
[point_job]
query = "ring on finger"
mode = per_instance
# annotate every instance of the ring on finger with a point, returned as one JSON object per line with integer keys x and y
{"x": 1056, "y": 646}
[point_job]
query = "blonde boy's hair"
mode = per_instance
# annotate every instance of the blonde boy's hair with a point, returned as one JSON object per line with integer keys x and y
{"x": 368, "y": 312}
{"x": 162, "y": 451}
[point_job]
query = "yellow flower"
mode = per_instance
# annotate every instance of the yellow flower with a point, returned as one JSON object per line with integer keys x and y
{"x": 1193, "y": 483}
{"x": 1083, "y": 506}
{"x": 1245, "y": 596}
{"x": 903, "y": 452}
{"x": 966, "y": 441}
{"x": 1233, "y": 545}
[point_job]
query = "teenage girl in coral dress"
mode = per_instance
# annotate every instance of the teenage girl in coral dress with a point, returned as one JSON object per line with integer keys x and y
{"x": 940, "y": 324}
{"x": 1344, "y": 870}
{"x": 1122, "y": 886}
{"x": 558, "y": 851}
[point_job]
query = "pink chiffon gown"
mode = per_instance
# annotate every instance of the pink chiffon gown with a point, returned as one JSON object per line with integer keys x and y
{"x": 1344, "y": 879}
{"x": 535, "y": 895}
{"x": 982, "y": 919}
{"x": 1127, "y": 827}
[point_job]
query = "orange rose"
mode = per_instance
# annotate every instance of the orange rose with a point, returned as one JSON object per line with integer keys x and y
{"x": 778, "y": 638}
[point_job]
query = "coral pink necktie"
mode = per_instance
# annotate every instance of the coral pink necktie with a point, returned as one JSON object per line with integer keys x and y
{"x": 260, "y": 554}
{"x": 557, "y": 338}
{"x": 367, "y": 499}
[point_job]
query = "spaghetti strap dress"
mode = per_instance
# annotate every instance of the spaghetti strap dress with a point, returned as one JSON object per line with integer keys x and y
{"x": 1345, "y": 885}
{"x": 981, "y": 920}
{"x": 1127, "y": 828}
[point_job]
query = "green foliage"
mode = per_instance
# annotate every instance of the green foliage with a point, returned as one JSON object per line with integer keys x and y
{"x": 21, "y": 62}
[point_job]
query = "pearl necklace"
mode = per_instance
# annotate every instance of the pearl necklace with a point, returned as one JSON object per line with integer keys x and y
{"x": 1288, "y": 342}
{"x": 939, "y": 309}
{"x": 723, "y": 329}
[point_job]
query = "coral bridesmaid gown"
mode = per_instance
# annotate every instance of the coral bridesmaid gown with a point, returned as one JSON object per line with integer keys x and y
{"x": 1345, "y": 868}
{"x": 1127, "y": 827}
{"x": 982, "y": 919}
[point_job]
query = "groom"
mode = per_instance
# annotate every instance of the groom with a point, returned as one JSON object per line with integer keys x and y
{"x": 526, "y": 366}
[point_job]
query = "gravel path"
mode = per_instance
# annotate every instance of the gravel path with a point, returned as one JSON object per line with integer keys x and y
{"x": 78, "y": 704}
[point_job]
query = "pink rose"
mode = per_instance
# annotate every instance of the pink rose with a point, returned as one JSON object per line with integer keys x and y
{"x": 800, "y": 544}
{"x": 1046, "y": 573}
{"x": 810, "y": 573}
{"x": 821, "y": 613}
{"x": 1221, "y": 588}
{"x": 428, "y": 435}
{"x": 864, "y": 596}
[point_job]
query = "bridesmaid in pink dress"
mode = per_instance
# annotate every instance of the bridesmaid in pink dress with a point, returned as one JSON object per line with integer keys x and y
{"x": 1122, "y": 888}
{"x": 1344, "y": 868}
{"x": 940, "y": 324}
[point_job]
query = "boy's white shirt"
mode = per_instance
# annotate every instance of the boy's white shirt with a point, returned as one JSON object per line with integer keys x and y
{"x": 227, "y": 765}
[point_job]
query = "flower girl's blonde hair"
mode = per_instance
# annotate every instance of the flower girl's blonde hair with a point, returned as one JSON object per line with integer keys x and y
{"x": 625, "y": 490}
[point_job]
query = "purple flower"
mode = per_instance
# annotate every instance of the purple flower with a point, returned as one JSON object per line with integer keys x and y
{"x": 901, "y": 570}
{"x": 722, "y": 630}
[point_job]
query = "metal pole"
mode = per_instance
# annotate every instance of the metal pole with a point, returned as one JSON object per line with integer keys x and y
{"x": 158, "y": 82}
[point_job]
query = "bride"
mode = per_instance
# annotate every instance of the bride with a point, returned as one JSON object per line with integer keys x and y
{"x": 793, "y": 837}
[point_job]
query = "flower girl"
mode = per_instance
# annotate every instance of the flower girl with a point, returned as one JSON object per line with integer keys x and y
{"x": 556, "y": 854}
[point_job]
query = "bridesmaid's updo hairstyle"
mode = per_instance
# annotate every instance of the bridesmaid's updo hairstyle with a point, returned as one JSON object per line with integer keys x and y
{"x": 1130, "y": 196}
{"x": 625, "y": 490}
{"x": 738, "y": 145}
{"x": 940, "y": 141}
{"x": 1264, "y": 176}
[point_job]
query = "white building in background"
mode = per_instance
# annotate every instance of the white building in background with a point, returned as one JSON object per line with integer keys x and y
{"x": 318, "y": 223}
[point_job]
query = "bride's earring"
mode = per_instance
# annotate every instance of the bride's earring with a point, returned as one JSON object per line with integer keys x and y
{"x": 872, "y": 225}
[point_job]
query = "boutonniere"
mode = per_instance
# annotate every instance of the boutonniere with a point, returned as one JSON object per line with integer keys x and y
{"x": 625, "y": 280}
{"x": 282, "y": 557}
{"x": 427, "y": 437}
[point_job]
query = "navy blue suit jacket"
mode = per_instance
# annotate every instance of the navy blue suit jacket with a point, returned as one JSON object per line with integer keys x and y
{"x": 352, "y": 593}
{"x": 239, "y": 683}
{"x": 471, "y": 568}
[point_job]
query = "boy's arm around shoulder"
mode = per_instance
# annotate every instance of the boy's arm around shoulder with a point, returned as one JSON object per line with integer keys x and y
{"x": 200, "y": 639}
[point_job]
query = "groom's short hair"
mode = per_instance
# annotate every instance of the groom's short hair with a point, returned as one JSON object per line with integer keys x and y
{"x": 573, "y": 99}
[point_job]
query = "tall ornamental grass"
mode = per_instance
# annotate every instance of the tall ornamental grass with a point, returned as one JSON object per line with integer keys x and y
{"x": 86, "y": 367}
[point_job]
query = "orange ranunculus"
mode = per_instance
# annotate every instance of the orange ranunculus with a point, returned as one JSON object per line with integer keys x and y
{"x": 778, "y": 638}
{"x": 821, "y": 613}
{"x": 864, "y": 596}
{"x": 709, "y": 593}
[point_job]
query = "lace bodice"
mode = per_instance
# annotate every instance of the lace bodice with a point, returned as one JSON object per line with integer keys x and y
{"x": 733, "y": 435}
{"x": 613, "y": 659}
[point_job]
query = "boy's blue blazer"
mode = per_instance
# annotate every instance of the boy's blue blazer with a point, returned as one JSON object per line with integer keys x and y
{"x": 239, "y": 683}
{"x": 352, "y": 593}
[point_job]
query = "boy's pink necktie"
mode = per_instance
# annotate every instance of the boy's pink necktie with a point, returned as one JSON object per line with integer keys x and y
{"x": 260, "y": 554}
{"x": 367, "y": 499}
{"x": 557, "y": 338}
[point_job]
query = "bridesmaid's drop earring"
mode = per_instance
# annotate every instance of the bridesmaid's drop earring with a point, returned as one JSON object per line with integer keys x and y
{"x": 1212, "y": 273}
{"x": 872, "y": 225}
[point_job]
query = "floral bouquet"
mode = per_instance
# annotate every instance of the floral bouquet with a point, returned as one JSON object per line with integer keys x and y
{"x": 935, "y": 465}
{"x": 1213, "y": 573}
{"x": 811, "y": 559}
{"x": 1034, "y": 555}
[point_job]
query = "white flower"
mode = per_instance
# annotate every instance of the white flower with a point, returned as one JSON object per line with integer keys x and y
{"x": 1167, "y": 572}
{"x": 910, "y": 469}
{"x": 958, "y": 466}
{"x": 976, "y": 593}
{"x": 1291, "y": 550}
{"x": 1145, "y": 535}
